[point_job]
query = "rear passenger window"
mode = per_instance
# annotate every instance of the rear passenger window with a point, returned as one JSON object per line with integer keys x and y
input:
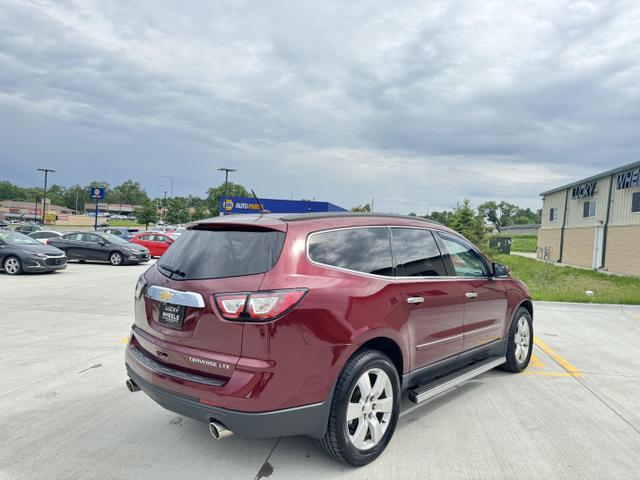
{"x": 364, "y": 250}
{"x": 416, "y": 253}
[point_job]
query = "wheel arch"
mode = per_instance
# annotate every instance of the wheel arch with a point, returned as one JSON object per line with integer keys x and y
{"x": 386, "y": 345}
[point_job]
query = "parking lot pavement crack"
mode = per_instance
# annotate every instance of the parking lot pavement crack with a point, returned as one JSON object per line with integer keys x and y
{"x": 267, "y": 469}
{"x": 608, "y": 405}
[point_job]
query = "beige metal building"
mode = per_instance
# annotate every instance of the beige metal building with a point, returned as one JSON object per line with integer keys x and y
{"x": 594, "y": 222}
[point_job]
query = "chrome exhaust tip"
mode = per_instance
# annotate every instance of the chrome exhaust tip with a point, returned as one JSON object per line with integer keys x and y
{"x": 132, "y": 386}
{"x": 219, "y": 431}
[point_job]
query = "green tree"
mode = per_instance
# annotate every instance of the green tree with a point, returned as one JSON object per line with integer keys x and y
{"x": 443, "y": 217}
{"x": 75, "y": 197}
{"x": 499, "y": 214}
{"x": 362, "y": 208}
{"x": 130, "y": 193}
{"x": 468, "y": 223}
{"x": 9, "y": 191}
{"x": 199, "y": 212}
{"x": 177, "y": 210}
{"x": 146, "y": 214}
{"x": 214, "y": 194}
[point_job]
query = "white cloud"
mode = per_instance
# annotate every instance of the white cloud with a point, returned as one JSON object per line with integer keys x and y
{"x": 418, "y": 105}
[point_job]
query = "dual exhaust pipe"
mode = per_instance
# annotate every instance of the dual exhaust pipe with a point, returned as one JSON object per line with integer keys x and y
{"x": 218, "y": 430}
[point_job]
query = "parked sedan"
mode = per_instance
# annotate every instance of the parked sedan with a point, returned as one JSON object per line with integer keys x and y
{"x": 100, "y": 247}
{"x": 43, "y": 236}
{"x": 19, "y": 253}
{"x": 156, "y": 242}
{"x": 28, "y": 228}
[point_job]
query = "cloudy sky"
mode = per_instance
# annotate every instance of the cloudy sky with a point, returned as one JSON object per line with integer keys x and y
{"x": 419, "y": 104}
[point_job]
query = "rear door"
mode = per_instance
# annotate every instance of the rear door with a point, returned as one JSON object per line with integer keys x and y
{"x": 201, "y": 264}
{"x": 433, "y": 301}
{"x": 72, "y": 244}
{"x": 93, "y": 249}
{"x": 485, "y": 300}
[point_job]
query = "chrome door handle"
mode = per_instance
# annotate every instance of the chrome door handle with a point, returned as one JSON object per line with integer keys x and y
{"x": 415, "y": 300}
{"x": 471, "y": 294}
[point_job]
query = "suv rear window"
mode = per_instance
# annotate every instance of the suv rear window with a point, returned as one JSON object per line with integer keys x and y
{"x": 366, "y": 250}
{"x": 202, "y": 254}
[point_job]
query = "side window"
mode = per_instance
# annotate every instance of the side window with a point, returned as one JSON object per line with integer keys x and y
{"x": 146, "y": 238}
{"x": 89, "y": 237}
{"x": 466, "y": 261}
{"x": 589, "y": 209}
{"x": 416, "y": 253}
{"x": 73, "y": 236}
{"x": 553, "y": 214}
{"x": 635, "y": 202}
{"x": 366, "y": 250}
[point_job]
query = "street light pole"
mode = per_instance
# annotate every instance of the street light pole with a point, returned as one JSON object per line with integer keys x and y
{"x": 170, "y": 179}
{"x": 226, "y": 177}
{"x": 44, "y": 197}
{"x": 165, "y": 206}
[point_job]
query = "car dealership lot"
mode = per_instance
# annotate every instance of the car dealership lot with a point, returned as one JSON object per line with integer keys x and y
{"x": 65, "y": 411}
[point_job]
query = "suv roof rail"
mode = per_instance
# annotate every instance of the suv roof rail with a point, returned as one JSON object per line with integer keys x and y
{"x": 319, "y": 215}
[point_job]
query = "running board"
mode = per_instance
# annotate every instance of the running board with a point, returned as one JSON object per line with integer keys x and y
{"x": 430, "y": 390}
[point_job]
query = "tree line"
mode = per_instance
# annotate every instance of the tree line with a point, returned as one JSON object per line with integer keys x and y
{"x": 472, "y": 223}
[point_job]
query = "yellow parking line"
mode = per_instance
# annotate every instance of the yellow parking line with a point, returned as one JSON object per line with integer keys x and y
{"x": 547, "y": 374}
{"x": 535, "y": 361}
{"x": 557, "y": 357}
{"x": 124, "y": 340}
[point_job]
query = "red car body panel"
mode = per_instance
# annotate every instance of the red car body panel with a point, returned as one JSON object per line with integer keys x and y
{"x": 156, "y": 248}
{"x": 295, "y": 360}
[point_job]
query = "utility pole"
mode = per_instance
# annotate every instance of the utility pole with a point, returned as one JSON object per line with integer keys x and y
{"x": 170, "y": 179}
{"x": 165, "y": 206}
{"x": 226, "y": 177}
{"x": 44, "y": 197}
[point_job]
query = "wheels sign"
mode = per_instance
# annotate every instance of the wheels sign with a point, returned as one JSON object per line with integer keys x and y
{"x": 97, "y": 193}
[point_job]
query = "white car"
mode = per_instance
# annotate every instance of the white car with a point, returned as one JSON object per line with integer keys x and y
{"x": 43, "y": 236}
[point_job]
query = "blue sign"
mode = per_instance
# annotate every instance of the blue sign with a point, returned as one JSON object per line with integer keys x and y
{"x": 97, "y": 193}
{"x": 235, "y": 205}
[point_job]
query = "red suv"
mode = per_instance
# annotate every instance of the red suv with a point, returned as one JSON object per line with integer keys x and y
{"x": 315, "y": 324}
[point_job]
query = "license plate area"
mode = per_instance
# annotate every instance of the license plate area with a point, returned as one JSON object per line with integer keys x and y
{"x": 171, "y": 315}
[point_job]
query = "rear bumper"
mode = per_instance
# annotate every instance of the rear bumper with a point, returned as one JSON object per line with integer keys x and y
{"x": 308, "y": 420}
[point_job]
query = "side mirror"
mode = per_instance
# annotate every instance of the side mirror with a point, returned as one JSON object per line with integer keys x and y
{"x": 102, "y": 243}
{"x": 500, "y": 271}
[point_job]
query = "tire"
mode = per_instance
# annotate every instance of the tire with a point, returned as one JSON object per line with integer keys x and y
{"x": 116, "y": 258}
{"x": 519, "y": 342}
{"x": 345, "y": 441}
{"x": 12, "y": 266}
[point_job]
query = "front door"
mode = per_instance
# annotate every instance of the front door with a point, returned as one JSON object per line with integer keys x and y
{"x": 598, "y": 247}
{"x": 433, "y": 302}
{"x": 485, "y": 298}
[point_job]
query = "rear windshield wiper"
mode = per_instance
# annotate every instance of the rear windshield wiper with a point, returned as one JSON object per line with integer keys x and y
{"x": 171, "y": 270}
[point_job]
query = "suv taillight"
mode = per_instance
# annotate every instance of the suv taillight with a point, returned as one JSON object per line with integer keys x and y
{"x": 258, "y": 306}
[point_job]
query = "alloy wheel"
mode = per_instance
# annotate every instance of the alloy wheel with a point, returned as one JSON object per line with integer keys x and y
{"x": 522, "y": 339}
{"x": 116, "y": 259}
{"x": 12, "y": 266}
{"x": 369, "y": 409}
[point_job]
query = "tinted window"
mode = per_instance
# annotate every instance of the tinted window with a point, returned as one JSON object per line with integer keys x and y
{"x": 73, "y": 236}
{"x": 200, "y": 254}
{"x": 635, "y": 202}
{"x": 466, "y": 261}
{"x": 90, "y": 237}
{"x": 416, "y": 253}
{"x": 361, "y": 249}
{"x": 146, "y": 238}
{"x": 553, "y": 214}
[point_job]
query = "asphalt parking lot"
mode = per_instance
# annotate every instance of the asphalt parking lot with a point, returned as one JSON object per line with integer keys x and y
{"x": 65, "y": 412}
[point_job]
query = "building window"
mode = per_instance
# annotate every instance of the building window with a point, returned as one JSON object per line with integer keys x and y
{"x": 635, "y": 202}
{"x": 553, "y": 214}
{"x": 589, "y": 209}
